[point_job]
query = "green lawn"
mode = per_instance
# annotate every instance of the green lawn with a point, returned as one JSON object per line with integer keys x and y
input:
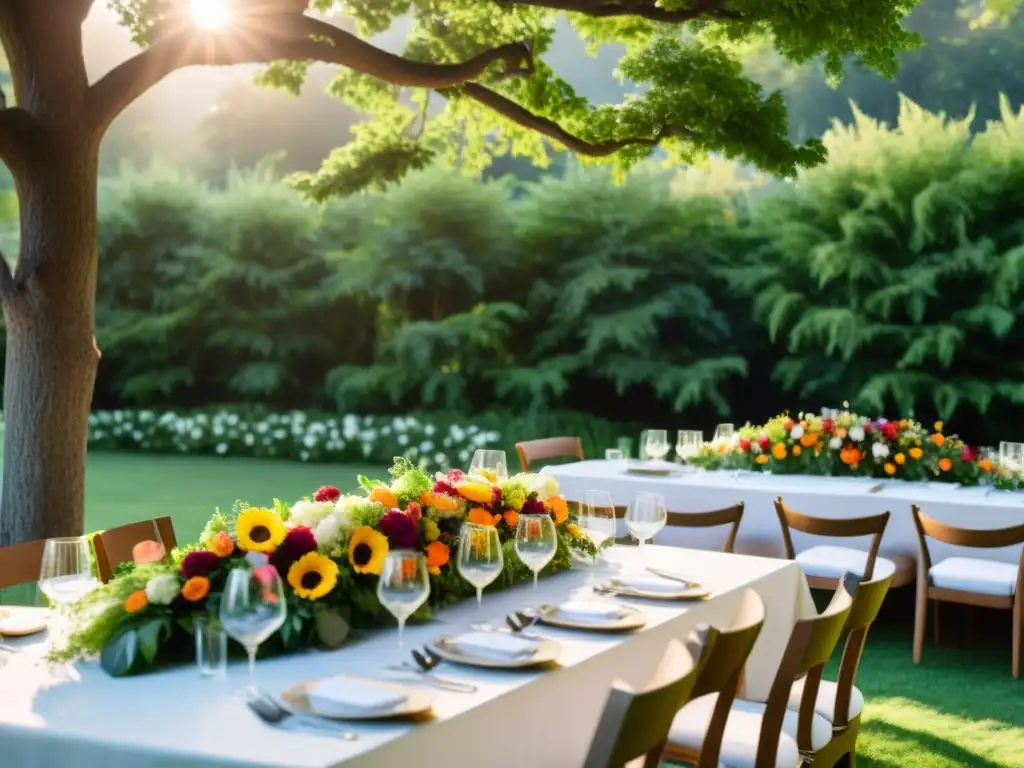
{"x": 960, "y": 709}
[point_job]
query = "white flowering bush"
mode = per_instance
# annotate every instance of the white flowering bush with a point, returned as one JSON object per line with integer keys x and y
{"x": 295, "y": 435}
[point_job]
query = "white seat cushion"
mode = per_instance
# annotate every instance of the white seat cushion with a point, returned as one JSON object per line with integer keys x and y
{"x": 825, "y": 702}
{"x": 742, "y": 732}
{"x": 970, "y": 574}
{"x": 835, "y": 562}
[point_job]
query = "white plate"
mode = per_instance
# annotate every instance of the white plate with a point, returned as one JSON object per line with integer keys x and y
{"x": 416, "y": 700}
{"x": 21, "y": 621}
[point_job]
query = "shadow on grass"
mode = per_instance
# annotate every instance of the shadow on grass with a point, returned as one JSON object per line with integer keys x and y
{"x": 922, "y": 744}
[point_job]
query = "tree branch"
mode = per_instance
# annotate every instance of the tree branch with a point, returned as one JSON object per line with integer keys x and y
{"x": 542, "y": 125}
{"x": 272, "y": 38}
{"x": 702, "y": 9}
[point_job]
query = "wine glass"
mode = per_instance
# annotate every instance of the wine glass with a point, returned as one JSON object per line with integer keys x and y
{"x": 403, "y": 585}
{"x": 646, "y": 517}
{"x": 597, "y": 521}
{"x": 688, "y": 443}
{"x": 490, "y": 464}
{"x": 253, "y": 608}
{"x": 536, "y": 541}
{"x": 480, "y": 557}
{"x": 65, "y": 573}
{"x": 724, "y": 432}
{"x": 1011, "y": 456}
{"x": 656, "y": 444}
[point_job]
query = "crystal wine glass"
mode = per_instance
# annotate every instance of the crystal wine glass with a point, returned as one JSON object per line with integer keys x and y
{"x": 65, "y": 573}
{"x": 724, "y": 432}
{"x": 253, "y": 608}
{"x": 480, "y": 557}
{"x": 490, "y": 464}
{"x": 646, "y": 516}
{"x": 403, "y": 585}
{"x": 597, "y": 521}
{"x": 536, "y": 541}
{"x": 1011, "y": 456}
{"x": 656, "y": 444}
{"x": 688, "y": 443}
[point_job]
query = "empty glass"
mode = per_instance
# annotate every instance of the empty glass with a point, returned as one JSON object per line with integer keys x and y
{"x": 536, "y": 542}
{"x": 490, "y": 464}
{"x": 688, "y": 443}
{"x": 646, "y": 516}
{"x": 656, "y": 444}
{"x": 1011, "y": 456}
{"x": 211, "y": 647}
{"x": 597, "y": 521}
{"x": 253, "y": 608}
{"x": 625, "y": 446}
{"x": 480, "y": 558}
{"x": 65, "y": 575}
{"x": 403, "y": 585}
{"x": 724, "y": 432}
{"x": 613, "y": 454}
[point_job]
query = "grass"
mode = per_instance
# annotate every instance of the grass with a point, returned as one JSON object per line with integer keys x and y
{"x": 959, "y": 709}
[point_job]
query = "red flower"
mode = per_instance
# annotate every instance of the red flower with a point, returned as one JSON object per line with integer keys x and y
{"x": 790, "y": 424}
{"x": 827, "y": 425}
{"x": 969, "y": 455}
{"x": 744, "y": 444}
{"x": 446, "y": 488}
{"x": 456, "y": 476}
{"x": 327, "y": 493}
{"x": 890, "y": 431}
{"x": 496, "y": 497}
{"x": 868, "y": 427}
{"x": 401, "y": 529}
{"x": 299, "y": 541}
{"x": 764, "y": 442}
{"x": 199, "y": 563}
{"x": 533, "y": 507}
{"x": 414, "y": 510}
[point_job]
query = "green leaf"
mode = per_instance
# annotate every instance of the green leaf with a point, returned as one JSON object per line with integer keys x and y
{"x": 332, "y": 625}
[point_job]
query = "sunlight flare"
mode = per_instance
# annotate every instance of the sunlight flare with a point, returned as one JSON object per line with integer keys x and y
{"x": 209, "y": 14}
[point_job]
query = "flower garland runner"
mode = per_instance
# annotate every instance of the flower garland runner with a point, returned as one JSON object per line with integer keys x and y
{"x": 845, "y": 443}
{"x": 328, "y": 549}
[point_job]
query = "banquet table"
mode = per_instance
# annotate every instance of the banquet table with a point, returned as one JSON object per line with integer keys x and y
{"x": 81, "y": 717}
{"x": 699, "y": 490}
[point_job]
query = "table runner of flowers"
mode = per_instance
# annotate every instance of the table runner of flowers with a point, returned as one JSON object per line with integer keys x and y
{"x": 328, "y": 548}
{"x": 845, "y": 443}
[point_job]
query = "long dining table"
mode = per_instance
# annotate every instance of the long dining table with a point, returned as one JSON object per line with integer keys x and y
{"x": 691, "y": 490}
{"x": 79, "y": 716}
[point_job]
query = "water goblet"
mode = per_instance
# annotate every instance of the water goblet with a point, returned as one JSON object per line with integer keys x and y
{"x": 646, "y": 516}
{"x": 490, "y": 464}
{"x": 253, "y": 608}
{"x": 536, "y": 541}
{"x": 480, "y": 558}
{"x": 403, "y": 585}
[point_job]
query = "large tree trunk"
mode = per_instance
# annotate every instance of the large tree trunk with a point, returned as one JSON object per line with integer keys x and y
{"x": 51, "y": 351}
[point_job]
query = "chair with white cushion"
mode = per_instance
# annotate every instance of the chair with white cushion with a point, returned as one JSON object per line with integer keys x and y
{"x": 632, "y": 729}
{"x": 825, "y": 565}
{"x": 768, "y": 734}
{"x": 968, "y": 580}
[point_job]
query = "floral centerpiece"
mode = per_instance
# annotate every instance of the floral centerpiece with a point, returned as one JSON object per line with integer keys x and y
{"x": 846, "y": 443}
{"x": 328, "y": 548}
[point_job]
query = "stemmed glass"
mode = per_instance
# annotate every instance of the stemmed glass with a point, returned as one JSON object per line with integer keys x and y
{"x": 253, "y": 608}
{"x": 646, "y": 517}
{"x": 65, "y": 574}
{"x": 724, "y": 432}
{"x": 480, "y": 557}
{"x": 689, "y": 443}
{"x": 490, "y": 464}
{"x": 536, "y": 541}
{"x": 656, "y": 444}
{"x": 403, "y": 585}
{"x": 1011, "y": 456}
{"x": 597, "y": 521}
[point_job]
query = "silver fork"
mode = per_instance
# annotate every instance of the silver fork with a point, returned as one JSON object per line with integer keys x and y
{"x": 270, "y": 711}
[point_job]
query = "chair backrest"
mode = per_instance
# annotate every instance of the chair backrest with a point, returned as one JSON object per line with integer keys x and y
{"x": 724, "y": 671}
{"x": 548, "y": 448}
{"x": 726, "y": 516}
{"x": 114, "y": 546}
{"x": 810, "y": 646}
{"x": 20, "y": 563}
{"x": 636, "y": 723}
{"x": 866, "y": 603}
{"x": 840, "y": 527}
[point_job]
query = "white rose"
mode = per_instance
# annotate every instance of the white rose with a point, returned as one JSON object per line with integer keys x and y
{"x": 797, "y": 432}
{"x": 879, "y": 450}
{"x": 856, "y": 434}
{"x": 328, "y": 531}
{"x": 162, "y": 589}
{"x": 835, "y": 443}
{"x": 309, "y": 513}
{"x": 545, "y": 486}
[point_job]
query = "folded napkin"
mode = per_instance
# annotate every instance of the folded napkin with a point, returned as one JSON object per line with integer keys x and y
{"x": 591, "y": 610}
{"x": 645, "y": 583}
{"x": 338, "y": 695}
{"x": 495, "y": 645}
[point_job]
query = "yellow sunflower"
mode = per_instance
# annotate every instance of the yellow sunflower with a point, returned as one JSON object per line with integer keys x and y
{"x": 259, "y": 529}
{"x": 367, "y": 549}
{"x": 313, "y": 575}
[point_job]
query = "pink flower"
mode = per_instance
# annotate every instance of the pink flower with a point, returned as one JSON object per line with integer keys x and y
{"x": 327, "y": 493}
{"x": 414, "y": 511}
{"x": 456, "y": 476}
{"x": 446, "y": 488}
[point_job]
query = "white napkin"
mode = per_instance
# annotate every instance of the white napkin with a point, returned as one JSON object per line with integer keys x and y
{"x": 338, "y": 695}
{"x": 495, "y": 645}
{"x": 643, "y": 583}
{"x": 590, "y": 610}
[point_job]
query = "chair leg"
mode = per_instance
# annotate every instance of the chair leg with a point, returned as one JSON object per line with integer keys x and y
{"x": 920, "y": 616}
{"x": 1018, "y": 631}
{"x": 935, "y": 623}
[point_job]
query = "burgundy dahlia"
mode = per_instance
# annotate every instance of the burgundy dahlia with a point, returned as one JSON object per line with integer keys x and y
{"x": 327, "y": 493}
{"x": 496, "y": 497}
{"x": 400, "y": 529}
{"x": 533, "y": 507}
{"x": 442, "y": 486}
{"x": 969, "y": 455}
{"x": 199, "y": 563}
{"x": 299, "y": 541}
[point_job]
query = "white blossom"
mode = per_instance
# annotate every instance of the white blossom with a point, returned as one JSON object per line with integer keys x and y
{"x": 162, "y": 588}
{"x": 835, "y": 443}
{"x": 856, "y": 433}
{"x": 879, "y": 450}
{"x": 797, "y": 432}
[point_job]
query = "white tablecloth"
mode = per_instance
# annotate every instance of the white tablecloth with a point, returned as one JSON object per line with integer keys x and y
{"x": 696, "y": 491}
{"x": 518, "y": 718}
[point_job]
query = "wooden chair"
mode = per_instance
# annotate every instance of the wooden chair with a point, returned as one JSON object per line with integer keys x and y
{"x": 20, "y": 563}
{"x": 727, "y": 516}
{"x": 721, "y": 679}
{"x": 841, "y": 702}
{"x": 114, "y": 546}
{"x": 634, "y": 724}
{"x": 548, "y": 448}
{"x": 968, "y": 580}
{"x": 824, "y": 566}
{"x": 768, "y": 734}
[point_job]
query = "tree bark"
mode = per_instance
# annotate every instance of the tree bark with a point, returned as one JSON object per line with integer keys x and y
{"x": 51, "y": 350}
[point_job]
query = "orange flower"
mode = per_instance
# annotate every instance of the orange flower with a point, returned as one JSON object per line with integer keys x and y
{"x": 558, "y": 508}
{"x": 426, "y": 499}
{"x": 136, "y": 601}
{"x": 761, "y": 459}
{"x": 808, "y": 439}
{"x": 480, "y": 516}
{"x": 890, "y": 468}
{"x": 383, "y": 495}
{"x": 938, "y": 439}
{"x": 797, "y": 450}
{"x": 196, "y": 589}
{"x": 985, "y": 465}
{"x": 840, "y": 432}
{"x": 478, "y": 492}
{"x": 915, "y": 453}
{"x": 148, "y": 552}
{"x": 437, "y": 556}
{"x": 945, "y": 464}
{"x": 937, "y": 426}
{"x": 779, "y": 451}
{"x": 222, "y": 545}
{"x": 511, "y": 518}
{"x": 851, "y": 456}
{"x": 899, "y": 458}
{"x": 442, "y": 502}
